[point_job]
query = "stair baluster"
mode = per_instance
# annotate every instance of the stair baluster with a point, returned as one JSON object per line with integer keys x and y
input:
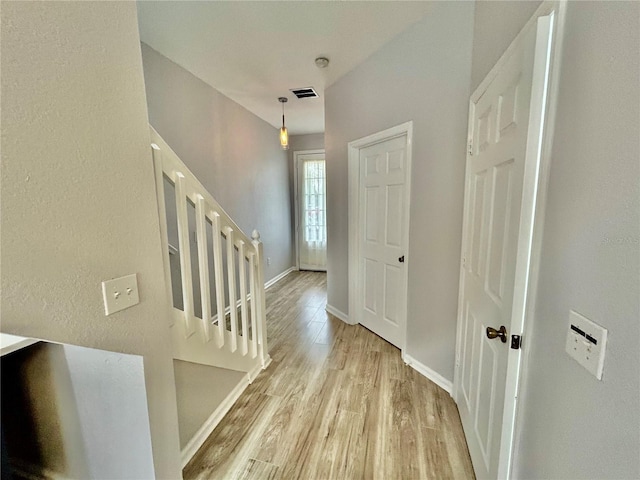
{"x": 242, "y": 253}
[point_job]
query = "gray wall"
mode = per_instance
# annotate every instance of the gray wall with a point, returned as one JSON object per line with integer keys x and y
{"x": 312, "y": 141}
{"x": 78, "y": 192}
{"x": 574, "y": 426}
{"x": 110, "y": 398}
{"x": 422, "y": 75}
{"x": 234, "y": 154}
{"x": 200, "y": 390}
{"x": 40, "y": 420}
{"x": 77, "y": 412}
{"x": 495, "y": 25}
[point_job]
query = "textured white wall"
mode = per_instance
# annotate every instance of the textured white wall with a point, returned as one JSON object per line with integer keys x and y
{"x": 422, "y": 75}
{"x": 111, "y": 403}
{"x": 574, "y": 426}
{"x": 234, "y": 154}
{"x": 78, "y": 194}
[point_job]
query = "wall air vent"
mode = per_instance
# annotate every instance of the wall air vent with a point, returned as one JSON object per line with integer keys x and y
{"x": 307, "y": 92}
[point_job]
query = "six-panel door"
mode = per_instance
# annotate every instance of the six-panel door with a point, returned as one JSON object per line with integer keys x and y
{"x": 493, "y": 193}
{"x": 382, "y": 216}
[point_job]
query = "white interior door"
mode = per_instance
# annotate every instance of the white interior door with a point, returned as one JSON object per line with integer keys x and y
{"x": 383, "y": 217}
{"x": 505, "y": 126}
{"x": 312, "y": 211}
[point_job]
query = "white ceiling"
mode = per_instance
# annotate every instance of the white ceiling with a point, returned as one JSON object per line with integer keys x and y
{"x": 254, "y": 52}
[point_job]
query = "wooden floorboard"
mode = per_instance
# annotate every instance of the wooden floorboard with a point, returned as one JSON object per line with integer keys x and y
{"x": 337, "y": 402}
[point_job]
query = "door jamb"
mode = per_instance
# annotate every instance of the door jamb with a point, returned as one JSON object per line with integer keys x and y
{"x": 546, "y": 144}
{"x": 296, "y": 223}
{"x": 354, "y": 148}
{"x": 518, "y": 359}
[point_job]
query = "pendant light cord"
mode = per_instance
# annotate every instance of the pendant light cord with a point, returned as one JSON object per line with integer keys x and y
{"x": 283, "y": 114}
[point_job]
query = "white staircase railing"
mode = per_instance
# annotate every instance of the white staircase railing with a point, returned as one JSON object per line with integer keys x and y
{"x": 235, "y": 335}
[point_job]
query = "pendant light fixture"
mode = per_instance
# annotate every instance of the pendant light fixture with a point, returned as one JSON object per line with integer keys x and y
{"x": 284, "y": 134}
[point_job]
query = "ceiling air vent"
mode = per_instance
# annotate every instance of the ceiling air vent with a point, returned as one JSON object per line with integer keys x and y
{"x": 308, "y": 92}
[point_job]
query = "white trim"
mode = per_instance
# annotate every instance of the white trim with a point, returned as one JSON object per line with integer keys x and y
{"x": 354, "y": 201}
{"x": 559, "y": 7}
{"x": 425, "y": 371}
{"x": 279, "y": 277}
{"x": 539, "y": 97}
{"x": 265, "y": 364}
{"x": 546, "y": 8}
{"x": 268, "y": 284}
{"x": 536, "y": 179}
{"x": 157, "y": 155}
{"x": 255, "y": 371}
{"x": 216, "y": 417}
{"x": 296, "y": 223}
{"x": 227, "y": 310}
{"x": 11, "y": 343}
{"x": 339, "y": 314}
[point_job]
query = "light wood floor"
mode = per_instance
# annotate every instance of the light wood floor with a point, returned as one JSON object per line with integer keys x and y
{"x": 337, "y": 402}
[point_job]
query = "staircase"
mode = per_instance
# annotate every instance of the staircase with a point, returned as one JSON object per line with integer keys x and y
{"x": 219, "y": 317}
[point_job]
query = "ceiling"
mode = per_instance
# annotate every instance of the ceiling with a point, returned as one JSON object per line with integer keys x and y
{"x": 254, "y": 52}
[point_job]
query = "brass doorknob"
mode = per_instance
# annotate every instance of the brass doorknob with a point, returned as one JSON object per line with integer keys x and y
{"x": 493, "y": 333}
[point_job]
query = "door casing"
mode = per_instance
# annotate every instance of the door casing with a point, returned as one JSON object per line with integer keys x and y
{"x": 537, "y": 166}
{"x": 296, "y": 195}
{"x": 354, "y": 147}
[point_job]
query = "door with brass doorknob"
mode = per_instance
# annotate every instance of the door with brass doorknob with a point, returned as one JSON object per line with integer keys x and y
{"x": 505, "y": 121}
{"x": 501, "y": 334}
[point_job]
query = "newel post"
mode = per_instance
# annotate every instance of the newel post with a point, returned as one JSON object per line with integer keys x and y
{"x": 260, "y": 300}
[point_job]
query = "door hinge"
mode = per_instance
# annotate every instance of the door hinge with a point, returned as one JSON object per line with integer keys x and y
{"x": 470, "y": 148}
{"x": 516, "y": 342}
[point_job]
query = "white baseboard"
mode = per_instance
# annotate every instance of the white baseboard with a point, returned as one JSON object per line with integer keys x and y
{"x": 265, "y": 364}
{"x": 216, "y": 417}
{"x": 425, "y": 371}
{"x": 277, "y": 278}
{"x": 268, "y": 284}
{"x": 212, "y": 422}
{"x": 337, "y": 313}
{"x": 255, "y": 371}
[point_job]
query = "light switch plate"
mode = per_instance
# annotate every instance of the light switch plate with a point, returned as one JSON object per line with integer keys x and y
{"x": 120, "y": 293}
{"x": 586, "y": 343}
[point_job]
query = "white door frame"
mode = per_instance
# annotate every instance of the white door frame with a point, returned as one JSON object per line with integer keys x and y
{"x": 537, "y": 165}
{"x": 296, "y": 199}
{"x": 354, "y": 148}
